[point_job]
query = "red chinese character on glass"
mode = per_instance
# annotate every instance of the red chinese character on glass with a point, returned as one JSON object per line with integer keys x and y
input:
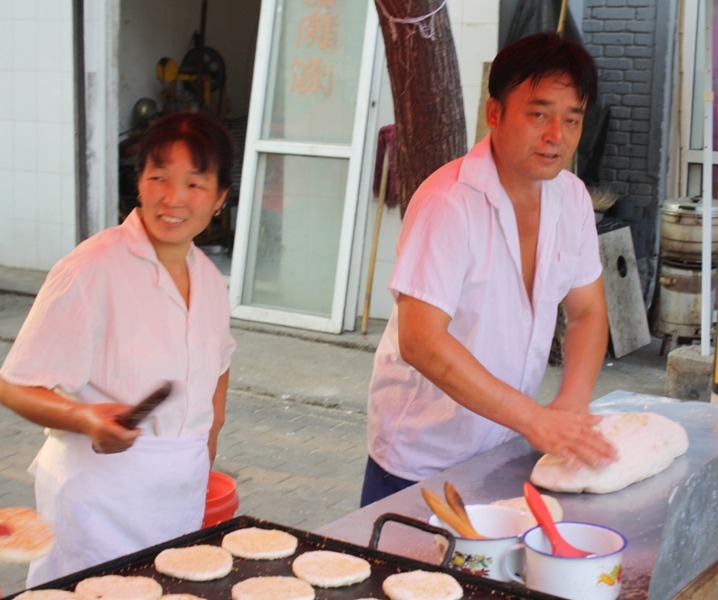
{"x": 327, "y": 3}
{"x": 318, "y": 29}
{"x": 311, "y": 76}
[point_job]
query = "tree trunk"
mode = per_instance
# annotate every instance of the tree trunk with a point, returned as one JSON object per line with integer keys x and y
{"x": 426, "y": 88}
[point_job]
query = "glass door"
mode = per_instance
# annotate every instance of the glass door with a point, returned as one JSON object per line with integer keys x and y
{"x": 302, "y": 162}
{"x": 692, "y": 101}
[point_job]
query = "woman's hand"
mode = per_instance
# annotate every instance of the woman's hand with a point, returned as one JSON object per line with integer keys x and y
{"x": 100, "y": 425}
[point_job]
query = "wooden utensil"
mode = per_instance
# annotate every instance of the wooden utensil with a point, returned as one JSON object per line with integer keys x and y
{"x": 443, "y": 511}
{"x": 559, "y": 546}
{"x": 456, "y": 503}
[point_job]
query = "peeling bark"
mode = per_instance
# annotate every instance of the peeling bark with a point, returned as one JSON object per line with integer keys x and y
{"x": 426, "y": 88}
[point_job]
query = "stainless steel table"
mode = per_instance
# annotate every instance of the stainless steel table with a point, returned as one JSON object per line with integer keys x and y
{"x": 670, "y": 520}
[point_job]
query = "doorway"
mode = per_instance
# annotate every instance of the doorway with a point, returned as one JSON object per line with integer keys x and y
{"x": 186, "y": 55}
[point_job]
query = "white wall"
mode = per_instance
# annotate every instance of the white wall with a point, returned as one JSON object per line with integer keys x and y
{"x": 153, "y": 29}
{"x": 37, "y": 205}
{"x": 475, "y": 28}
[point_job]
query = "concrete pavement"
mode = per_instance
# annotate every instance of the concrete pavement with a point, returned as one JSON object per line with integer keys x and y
{"x": 295, "y": 434}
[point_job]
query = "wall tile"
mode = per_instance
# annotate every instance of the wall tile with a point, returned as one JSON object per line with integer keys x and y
{"x": 7, "y": 136}
{"x": 50, "y": 247}
{"x": 49, "y": 97}
{"x": 6, "y": 9}
{"x": 24, "y": 188}
{"x": 67, "y": 146}
{"x": 481, "y": 11}
{"x": 68, "y": 239}
{"x": 7, "y": 240}
{"x": 24, "y": 9}
{"x": 52, "y": 9}
{"x": 456, "y": 10}
{"x": 25, "y": 247}
{"x": 472, "y": 96}
{"x": 7, "y": 104}
{"x": 25, "y": 95}
{"x": 67, "y": 45}
{"x": 24, "y": 146}
{"x": 68, "y": 200}
{"x": 24, "y": 40}
{"x": 7, "y": 49}
{"x": 49, "y": 45}
{"x": 49, "y": 198}
{"x": 50, "y": 147}
{"x": 68, "y": 98}
{"x": 7, "y": 198}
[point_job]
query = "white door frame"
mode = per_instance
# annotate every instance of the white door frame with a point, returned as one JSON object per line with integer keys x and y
{"x": 688, "y": 62}
{"x": 254, "y": 145}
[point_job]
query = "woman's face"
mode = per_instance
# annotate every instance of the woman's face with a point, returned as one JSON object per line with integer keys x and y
{"x": 177, "y": 200}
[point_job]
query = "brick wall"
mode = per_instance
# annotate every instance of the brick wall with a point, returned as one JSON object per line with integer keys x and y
{"x": 632, "y": 44}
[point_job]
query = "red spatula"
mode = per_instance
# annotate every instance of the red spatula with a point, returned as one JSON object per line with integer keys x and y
{"x": 559, "y": 546}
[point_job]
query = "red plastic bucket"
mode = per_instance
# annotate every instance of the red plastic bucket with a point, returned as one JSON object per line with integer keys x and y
{"x": 222, "y": 499}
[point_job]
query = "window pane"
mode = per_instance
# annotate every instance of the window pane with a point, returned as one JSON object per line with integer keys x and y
{"x": 294, "y": 237}
{"x": 314, "y": 70}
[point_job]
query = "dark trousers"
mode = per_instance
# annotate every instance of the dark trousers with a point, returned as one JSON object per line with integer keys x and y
{"x": 379, "y": 484}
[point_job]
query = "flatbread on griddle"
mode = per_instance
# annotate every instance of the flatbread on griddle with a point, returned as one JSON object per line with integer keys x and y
{"x": 422, "y": 585}
{"x": 48, "y": 595}
{"x": 117, "y": 587}
{"x": 202, "y": 562}
{"x": 327, "y": 569}
{"x": 273, "y": 588}
{"x": 260, "y": 544}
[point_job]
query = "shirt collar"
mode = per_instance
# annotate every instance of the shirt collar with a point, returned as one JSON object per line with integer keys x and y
{"x": 139, "y": 243}
{"x": 478, "y": 171}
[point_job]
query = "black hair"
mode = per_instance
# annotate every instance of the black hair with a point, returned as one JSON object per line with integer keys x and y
{"x": 541, "y": 55}
{"x": 206, "y": 138}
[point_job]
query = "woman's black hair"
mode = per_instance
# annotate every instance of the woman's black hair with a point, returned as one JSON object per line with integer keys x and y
{"x": 205, "y": 136}
{"x": 541, "y": 55}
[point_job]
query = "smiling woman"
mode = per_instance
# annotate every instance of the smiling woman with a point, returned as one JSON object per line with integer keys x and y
{"x": 184, "y": 165}
{"x": 129, "y": 308}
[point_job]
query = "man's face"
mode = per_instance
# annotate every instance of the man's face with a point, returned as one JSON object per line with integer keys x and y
{"x": 536, "y": 131}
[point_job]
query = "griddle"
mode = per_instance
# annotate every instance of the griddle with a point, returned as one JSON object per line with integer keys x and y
{"x": 382, "y": 565}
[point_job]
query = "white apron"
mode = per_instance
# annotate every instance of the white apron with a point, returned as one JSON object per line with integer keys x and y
{"x": 103, "y": 506}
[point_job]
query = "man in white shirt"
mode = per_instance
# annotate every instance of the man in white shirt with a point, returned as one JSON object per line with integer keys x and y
{"x": 490, "y": 245}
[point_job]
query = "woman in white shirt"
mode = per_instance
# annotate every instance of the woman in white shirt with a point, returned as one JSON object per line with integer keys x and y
{"x": 130, "y": 308}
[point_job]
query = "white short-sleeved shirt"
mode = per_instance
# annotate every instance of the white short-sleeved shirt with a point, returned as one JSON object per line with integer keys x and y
{"x": 459, "y": 251}
{"x": 109, "y": 325}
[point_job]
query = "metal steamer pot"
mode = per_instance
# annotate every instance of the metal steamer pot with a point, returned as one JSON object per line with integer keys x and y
{"x": 681, "y": 229}
{"x": 679, "y": 304}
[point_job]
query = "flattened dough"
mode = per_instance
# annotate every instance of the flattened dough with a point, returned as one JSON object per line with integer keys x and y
{"x": 202, "y": 562}
{"x": 647, "y": 443}
{"x": 260, "y": 544}
{"x": 273, "y": 588}
{"x": 327, "y": 569}
{"x": 422, "y": 585}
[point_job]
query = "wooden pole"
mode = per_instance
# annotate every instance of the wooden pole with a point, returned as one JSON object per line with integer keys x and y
{"x": 562, "y": 17}
{"x": 375, "y": 240}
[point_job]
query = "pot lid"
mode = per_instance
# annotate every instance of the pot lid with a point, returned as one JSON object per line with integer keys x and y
{"x": 688, "y": 205}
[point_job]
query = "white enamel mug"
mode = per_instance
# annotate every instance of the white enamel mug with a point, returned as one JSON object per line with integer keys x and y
{"x": 503, "y": 525}
{"x": 592, "y": 578}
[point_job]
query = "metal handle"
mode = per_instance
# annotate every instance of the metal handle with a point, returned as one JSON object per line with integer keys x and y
{"x": 386, "y": 517}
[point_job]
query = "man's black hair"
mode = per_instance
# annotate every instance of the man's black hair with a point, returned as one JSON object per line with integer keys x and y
{"x": 541, "y": 55}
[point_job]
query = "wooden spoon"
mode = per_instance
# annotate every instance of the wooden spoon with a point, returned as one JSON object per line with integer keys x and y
{"x": 559, "y": 546}
{"x": 453, "y": 498}
{"x": 443, "y": 511}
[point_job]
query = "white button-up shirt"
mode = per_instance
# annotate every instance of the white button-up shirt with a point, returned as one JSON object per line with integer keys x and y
{"x": 459, "y": 251}
{"x": 109, "y": 325}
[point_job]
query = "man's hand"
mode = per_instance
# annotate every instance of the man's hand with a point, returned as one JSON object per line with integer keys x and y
{"x": 570, "y": 436}
{"x": 100, "y": 425}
